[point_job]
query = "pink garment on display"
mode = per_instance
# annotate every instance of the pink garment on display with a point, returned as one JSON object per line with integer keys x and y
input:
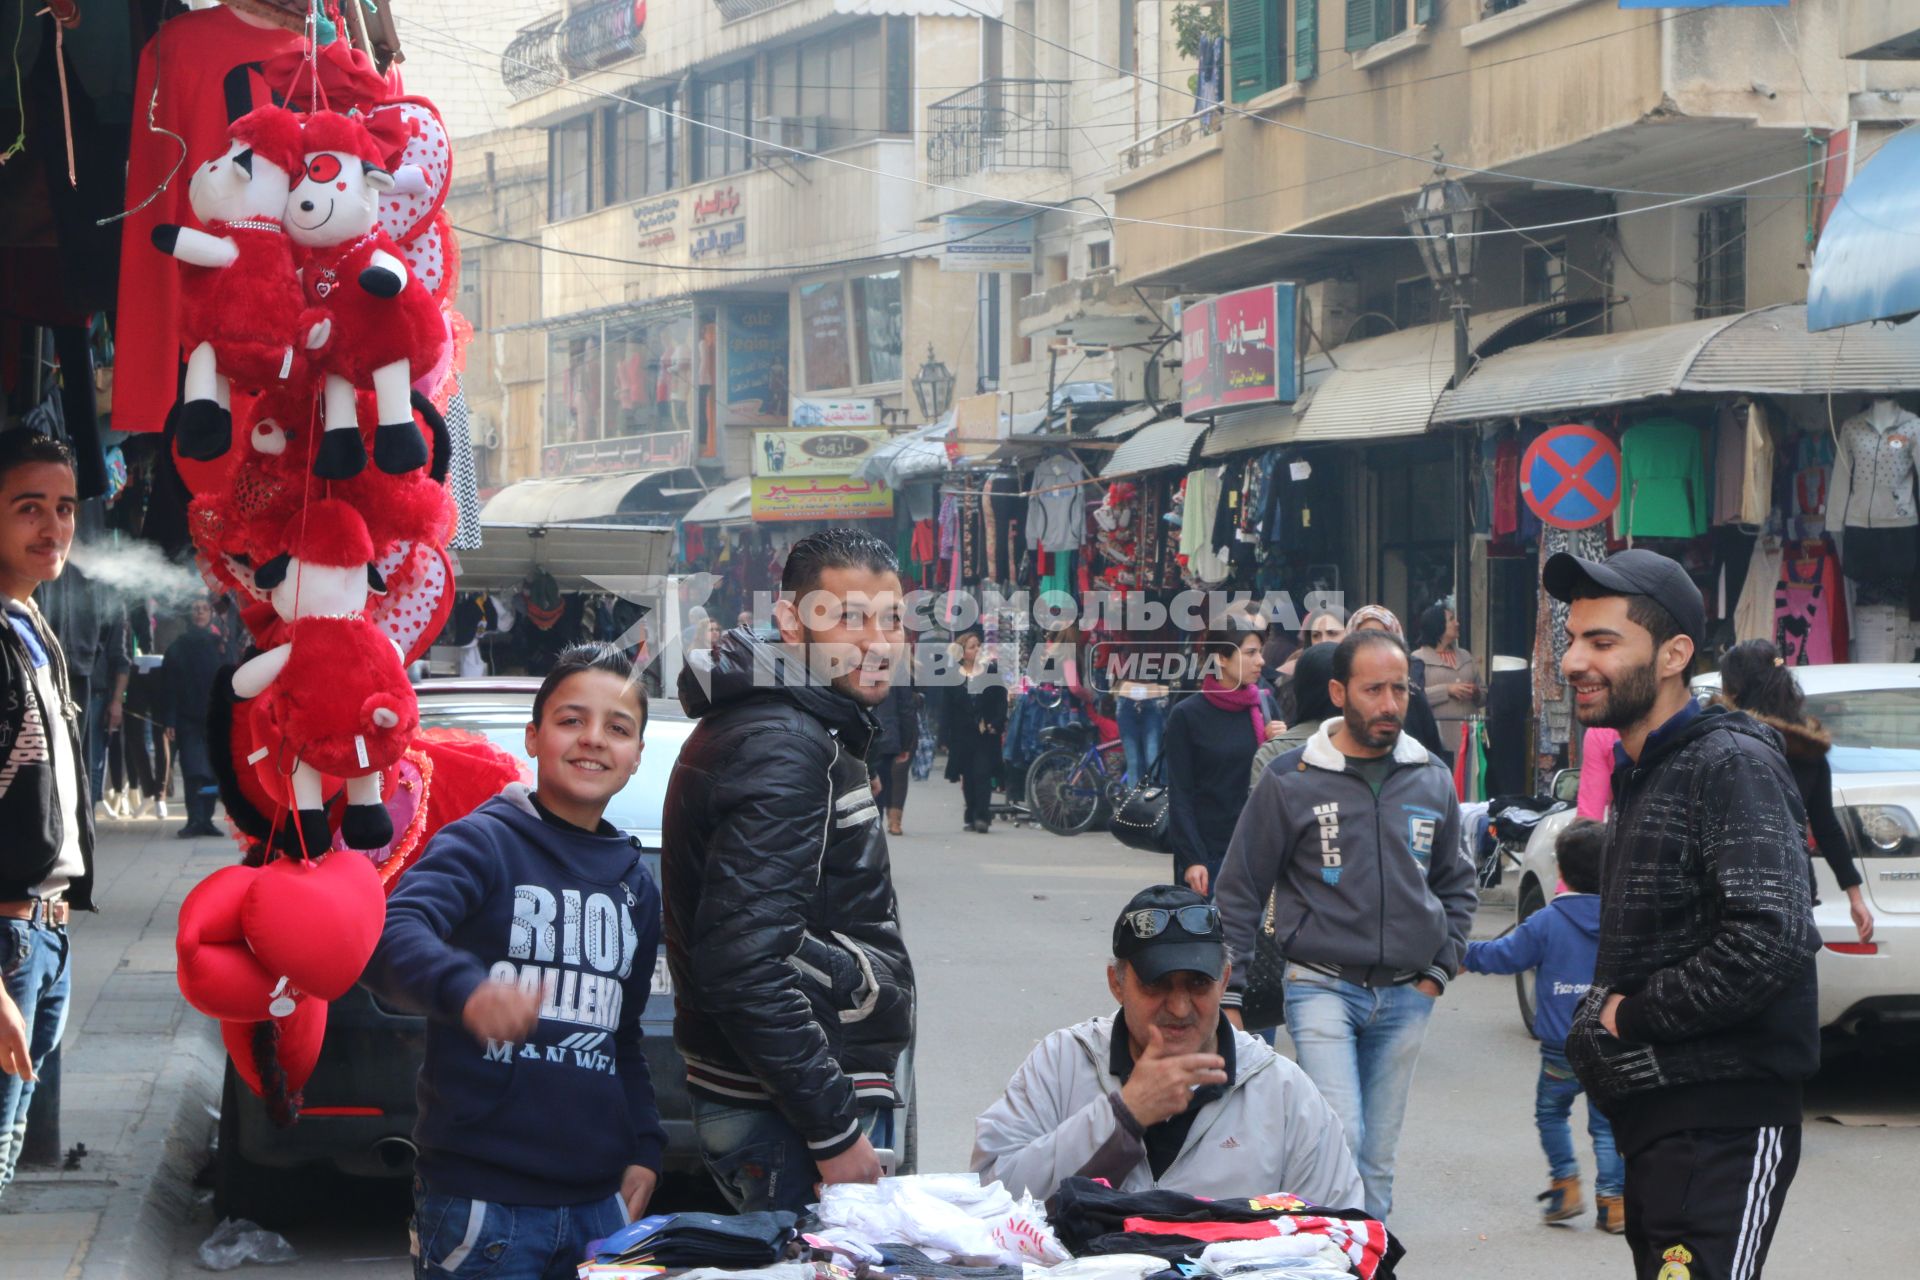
{"x": 1810, "y": 607}
{"x": 1596, "y": 773}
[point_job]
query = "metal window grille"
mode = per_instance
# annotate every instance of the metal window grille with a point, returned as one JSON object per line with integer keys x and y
{"x": 998, "y": 124}
{"x": 1722, "y": 287}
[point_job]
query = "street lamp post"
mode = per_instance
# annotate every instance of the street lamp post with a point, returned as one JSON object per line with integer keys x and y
{"x": 933, "y": 387}
{"x": 1445, "y": 216}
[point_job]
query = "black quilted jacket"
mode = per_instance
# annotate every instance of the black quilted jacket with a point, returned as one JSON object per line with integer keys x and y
{"x": 792, "y": 985}
{"x": 1706, "y": 927}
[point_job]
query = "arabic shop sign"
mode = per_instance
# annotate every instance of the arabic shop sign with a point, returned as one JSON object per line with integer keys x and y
{"x": 986, "y": 244}
{"x": 813, "y": 411}
{"x": 720, "y": 224}
{"x": 839, "y": 497}
{"x": 657, "y": 221}
{"x": 1238, "y": 349}
{"x": 813, "y": 453}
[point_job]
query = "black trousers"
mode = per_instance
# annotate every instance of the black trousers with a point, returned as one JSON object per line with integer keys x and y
{"x": 979, "y": 762}
{"x": 894, "y": 776}
{"x": 1702, "y": 1204}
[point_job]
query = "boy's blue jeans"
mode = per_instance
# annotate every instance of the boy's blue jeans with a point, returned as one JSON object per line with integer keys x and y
{"x": 454, "y": 1236}
{"x": 36, "y": 963}
{"x": 1141, "y": 722}
{"x": 760, "y": 1161}
{"x": 1552, "y": 1105}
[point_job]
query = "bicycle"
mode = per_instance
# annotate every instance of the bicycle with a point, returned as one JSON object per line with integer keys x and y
{"x": 1077, "y": 781}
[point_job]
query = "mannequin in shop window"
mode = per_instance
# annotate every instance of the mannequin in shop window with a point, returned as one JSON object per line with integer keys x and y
{"x": 1871, "y": 506}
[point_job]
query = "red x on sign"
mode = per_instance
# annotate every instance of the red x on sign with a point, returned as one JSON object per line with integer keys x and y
{"x": 1570, "y": 476}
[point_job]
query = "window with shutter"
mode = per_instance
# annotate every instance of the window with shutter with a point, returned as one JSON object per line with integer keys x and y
{"x": 1246, "y": 49}
{"x": 1360, "y": 23}
{"x": 1306, "y": 39}
{"x": 1389, "y": 18}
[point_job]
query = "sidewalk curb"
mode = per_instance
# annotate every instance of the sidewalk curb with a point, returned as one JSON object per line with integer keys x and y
{"x": 155, "y": 1199}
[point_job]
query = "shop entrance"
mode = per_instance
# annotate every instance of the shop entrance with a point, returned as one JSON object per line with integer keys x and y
{"x": 1419, "y": 524}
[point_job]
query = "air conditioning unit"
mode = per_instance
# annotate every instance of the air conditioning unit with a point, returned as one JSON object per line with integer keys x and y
{"x": 802, "y": 133}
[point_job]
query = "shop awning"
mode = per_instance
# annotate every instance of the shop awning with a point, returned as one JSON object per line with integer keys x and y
{"x": 573, "y": 499}
{"x": 1867, "y": 264}
{"x": 1155, "y": 448}
{"x": 731, "y": 503}
{"x": 1125, "y": 423}
{"x": 1383, "y": 387}
{"x": 919, "y": 455}
{"x": 1766, "y": 351}
{"x": 575, "y": 554}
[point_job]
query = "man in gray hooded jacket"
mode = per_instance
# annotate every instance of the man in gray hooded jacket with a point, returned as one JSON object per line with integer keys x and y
{"x": 1357, "y": 837}
{"x": 1166, "y": 1093}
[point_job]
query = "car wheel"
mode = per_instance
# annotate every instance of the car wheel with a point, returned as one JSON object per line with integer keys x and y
{"x": 1531, "y": 900}
{"x": 241, "y": 1188}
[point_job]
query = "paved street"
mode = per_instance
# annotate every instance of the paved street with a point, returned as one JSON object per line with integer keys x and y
{"x": 1009, "y": 933}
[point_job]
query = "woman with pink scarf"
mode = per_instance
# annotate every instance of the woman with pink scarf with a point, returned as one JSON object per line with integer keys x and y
{"x": 1208, "y": 748}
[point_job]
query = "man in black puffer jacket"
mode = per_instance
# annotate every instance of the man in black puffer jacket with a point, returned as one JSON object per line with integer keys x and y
{"x": 1702, "y": 1021}
{"x": 793, "y": 991}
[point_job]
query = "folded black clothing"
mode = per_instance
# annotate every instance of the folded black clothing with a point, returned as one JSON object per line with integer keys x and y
{"x": 1090, "y": 1218}
{"x": 733, "y": 1241}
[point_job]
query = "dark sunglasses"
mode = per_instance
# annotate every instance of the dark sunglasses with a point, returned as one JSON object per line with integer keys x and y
{"x": 1151, "y": 922}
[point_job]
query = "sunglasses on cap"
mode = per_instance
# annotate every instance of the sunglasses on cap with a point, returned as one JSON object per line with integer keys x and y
{"x": 1151, "y": 922}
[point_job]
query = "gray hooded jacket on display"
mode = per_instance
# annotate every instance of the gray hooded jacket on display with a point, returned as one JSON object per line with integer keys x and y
{"x": 1361, "y": 882}
{"x": 1270, "y": 1131}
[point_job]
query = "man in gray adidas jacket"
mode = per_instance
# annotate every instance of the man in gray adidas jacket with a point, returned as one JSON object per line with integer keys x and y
{"x": 1357, "y": 837}
{"x": 1166, "y": 1093}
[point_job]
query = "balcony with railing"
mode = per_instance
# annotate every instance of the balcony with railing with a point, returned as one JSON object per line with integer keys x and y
{"x": 601, "y": 33}
{"x": 998, "y": 124}
{"x": 1170, "y": 138}
{"x": 531, "y": 63}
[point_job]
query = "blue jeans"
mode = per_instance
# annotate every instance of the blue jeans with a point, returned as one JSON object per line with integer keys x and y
{"x": 759, "y": 1160}
{"x": 1552, "y": 1105}
{"x": 1359, "y": 1046}
{"x": 35, "y": 963}
{"x": 1141, "y": 723}
{"x": 454, "y": 1236}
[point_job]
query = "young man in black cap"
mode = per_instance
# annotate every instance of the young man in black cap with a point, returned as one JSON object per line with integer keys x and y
{"x": 1702, "y": 1023}
{"x": 1166, "y": 1093}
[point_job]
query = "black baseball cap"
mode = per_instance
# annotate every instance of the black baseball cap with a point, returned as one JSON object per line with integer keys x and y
{"x": 1634, "y": 572}
{"x": 1163, "y": 913}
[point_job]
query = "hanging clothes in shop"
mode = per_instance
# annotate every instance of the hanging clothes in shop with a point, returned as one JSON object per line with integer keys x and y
{"x": 1742, "y": 465}
{"x": 1506, "y": 487}
{"x": 1871, "y": 507}
{"x": 1205, "y": 565}
{"x": 1663, "y": 481}
{"x": 1001, "y": 520}
{"x": 1810, "y": 607}
{"x": 1753, "y": 614}
{"x": 205, "y": 68}
{"x": 1811, "y": 473}
{"x": 1057, "y": 509}
{"x": 1550, "y": 635}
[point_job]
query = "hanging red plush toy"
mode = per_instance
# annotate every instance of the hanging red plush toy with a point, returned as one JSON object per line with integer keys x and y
{"x": 334, "y": 698}
{"x": 386, "y": 328}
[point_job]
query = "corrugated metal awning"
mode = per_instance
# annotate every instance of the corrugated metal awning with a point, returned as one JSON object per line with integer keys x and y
{"x": 1387, "y": 386}
{"x": 563, "y": 499}
{"x": 731, "y": 503}
{"x": 1766, "y": 351}
{"x": 1155, "y": 448}
{"x": 1125, "y": 423}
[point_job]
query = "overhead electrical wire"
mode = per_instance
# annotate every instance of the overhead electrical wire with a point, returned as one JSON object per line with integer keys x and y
{"x": 1254, "y": 234}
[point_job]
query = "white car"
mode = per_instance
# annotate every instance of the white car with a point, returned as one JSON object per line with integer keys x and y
{"x": 1873, "y": 713}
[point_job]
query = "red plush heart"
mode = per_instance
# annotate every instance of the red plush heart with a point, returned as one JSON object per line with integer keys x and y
{"x": 218, "y": 972}
{"x": 296, "y": 1045}
{"x": 316, "y": 923}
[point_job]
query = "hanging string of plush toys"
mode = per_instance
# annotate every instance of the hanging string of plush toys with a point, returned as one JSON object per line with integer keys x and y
{"x": 320, "y": 349}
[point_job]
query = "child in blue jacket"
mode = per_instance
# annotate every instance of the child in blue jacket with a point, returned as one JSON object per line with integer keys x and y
{"x": 1561, "y": 942}
{"x": 527, "y": 934}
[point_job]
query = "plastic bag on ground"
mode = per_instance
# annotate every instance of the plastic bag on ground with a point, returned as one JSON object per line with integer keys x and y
{"x": 236, "y": 1242}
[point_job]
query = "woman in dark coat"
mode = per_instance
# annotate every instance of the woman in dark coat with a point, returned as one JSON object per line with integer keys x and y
{"x": 1208, "y": 750}
{"x": 892, "y": 753}
{"x": 976, "y": 719}
{"x": 1755, "y": 679}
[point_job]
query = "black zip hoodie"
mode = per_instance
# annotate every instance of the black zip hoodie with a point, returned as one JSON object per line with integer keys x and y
{"x": 792, "y": 986}
{"x": 31, "y": 812}
{"x": 1706, "y": 928}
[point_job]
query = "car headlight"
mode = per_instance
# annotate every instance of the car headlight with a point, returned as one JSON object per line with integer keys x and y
{"x": 1884, "y": 830}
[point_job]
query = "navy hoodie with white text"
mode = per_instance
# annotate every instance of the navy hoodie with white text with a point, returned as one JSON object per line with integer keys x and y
{"x": 572, "y": 914}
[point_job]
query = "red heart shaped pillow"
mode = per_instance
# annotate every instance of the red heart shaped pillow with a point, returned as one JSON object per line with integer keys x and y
{"x": 218, "y": 972}
{"x": 295, "y": 1045}
{"x": 316, "y": 923}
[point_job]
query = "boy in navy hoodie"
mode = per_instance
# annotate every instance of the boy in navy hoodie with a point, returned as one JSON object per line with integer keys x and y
{"x": 527, "y": 935}
{"x": 1561, "y": 942}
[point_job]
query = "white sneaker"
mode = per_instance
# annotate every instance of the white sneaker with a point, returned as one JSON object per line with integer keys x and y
{"x": 160, "y": 807}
